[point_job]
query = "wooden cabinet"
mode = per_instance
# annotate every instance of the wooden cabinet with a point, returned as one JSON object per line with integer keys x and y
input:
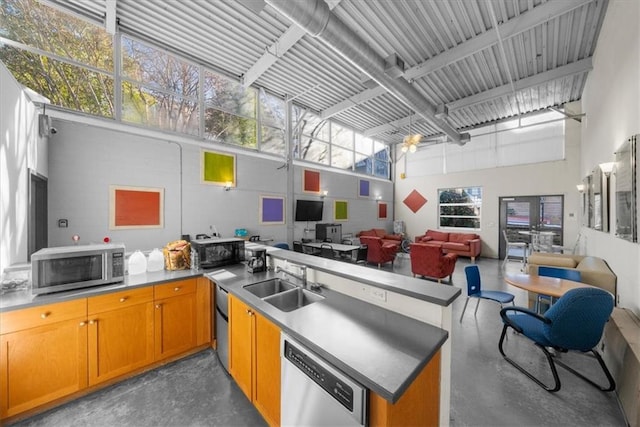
{"x": 240, "y": 345}
{"x": 120, "y": 328}
{"x": 175, "y": 319}
{"x": 266, "y": 391}
{"x": 254, "y": 358}
{"x": 51, "y": 351}
{"x": 418, "y": 406}
{"x": 204, "y": 309}
{"x": 43, "y": 355}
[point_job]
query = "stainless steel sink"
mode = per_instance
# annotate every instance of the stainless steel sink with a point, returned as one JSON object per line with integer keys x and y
{"x": 269, "y": 287}
{"x": 293, "y": 299}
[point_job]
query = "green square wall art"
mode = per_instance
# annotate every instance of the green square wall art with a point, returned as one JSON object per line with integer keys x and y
{"x": 218, "y": 168}
{"x": 341, "y": 210}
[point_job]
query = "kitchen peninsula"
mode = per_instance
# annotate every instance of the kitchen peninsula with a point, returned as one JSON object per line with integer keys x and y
{"x": 381, "y": 329}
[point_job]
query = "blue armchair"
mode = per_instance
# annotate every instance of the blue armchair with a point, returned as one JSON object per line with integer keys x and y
{"x": 575, "y": 322}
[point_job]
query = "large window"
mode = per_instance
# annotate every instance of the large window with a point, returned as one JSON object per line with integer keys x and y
{"x": 63, "y": 58}
{"x": 70, "y": 61}
{"x": 158, "y": 89}
{"x": 230, "y": 111}
{"x": 272, "y": 116}
{"x": 460, "y": 207}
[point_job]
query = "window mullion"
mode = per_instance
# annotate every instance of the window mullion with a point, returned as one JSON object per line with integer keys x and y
{"x": 117, "y": 76}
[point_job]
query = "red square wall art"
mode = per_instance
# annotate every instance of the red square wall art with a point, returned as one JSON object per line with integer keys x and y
{"x": 414, "y": 201}
{"x": 382, "y": 210}
{"x": 310, "y": 181}
{"x": 135, "y": 207}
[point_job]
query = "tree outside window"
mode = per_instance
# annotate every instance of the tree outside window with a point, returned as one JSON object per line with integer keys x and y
{"x": 460, "y": 207}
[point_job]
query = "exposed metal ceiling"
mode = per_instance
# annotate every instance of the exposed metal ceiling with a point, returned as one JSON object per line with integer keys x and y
{"x": 484, "y": 60}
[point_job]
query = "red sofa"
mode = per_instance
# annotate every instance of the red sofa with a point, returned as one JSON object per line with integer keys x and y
{"x": 382, "y": 234}
{"x": 464, "y": 244}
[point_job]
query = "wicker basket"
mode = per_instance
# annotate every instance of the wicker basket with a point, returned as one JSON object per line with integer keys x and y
{"x": 177, "y": 255}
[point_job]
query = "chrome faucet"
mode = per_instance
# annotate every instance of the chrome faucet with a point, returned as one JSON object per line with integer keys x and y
{"x": 302, "y": 277}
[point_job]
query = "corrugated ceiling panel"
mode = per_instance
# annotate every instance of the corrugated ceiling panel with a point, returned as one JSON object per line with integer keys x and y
{"x": 231, "y": 38}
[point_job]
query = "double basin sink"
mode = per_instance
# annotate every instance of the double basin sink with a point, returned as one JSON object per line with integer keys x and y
{"x": 283, "y": 295}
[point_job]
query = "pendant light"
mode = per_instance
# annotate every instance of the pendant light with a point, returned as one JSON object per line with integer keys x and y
{"x": 410, "y": 142}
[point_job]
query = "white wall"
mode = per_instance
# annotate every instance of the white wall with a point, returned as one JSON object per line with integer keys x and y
{"x": 21, "y": 151}
{"x": 547, "y": 178}
{"x": 85, "y": 158}
{"x": 611, "y": 101}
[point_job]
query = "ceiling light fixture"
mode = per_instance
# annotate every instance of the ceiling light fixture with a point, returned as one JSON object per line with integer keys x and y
{"x": 411, "y": 141}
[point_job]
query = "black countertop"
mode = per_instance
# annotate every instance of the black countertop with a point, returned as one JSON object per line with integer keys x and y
{"x": 381, "y": 349}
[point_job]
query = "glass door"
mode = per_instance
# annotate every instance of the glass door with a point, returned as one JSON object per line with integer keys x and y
{"x": 521, "y": 215}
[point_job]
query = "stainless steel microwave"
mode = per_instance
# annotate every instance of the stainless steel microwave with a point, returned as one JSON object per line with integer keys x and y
{"x": 215, "y": 252}
{"x": 75, "y": 267}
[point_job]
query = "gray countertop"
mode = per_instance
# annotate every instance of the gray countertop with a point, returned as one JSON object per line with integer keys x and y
{"x": 24, "y": 298}
{"x": 381, "y": 349}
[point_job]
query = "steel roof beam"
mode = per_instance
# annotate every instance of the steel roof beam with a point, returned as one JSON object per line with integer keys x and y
{"x": 316, "y": 18}
{"x": 513, "y": 27}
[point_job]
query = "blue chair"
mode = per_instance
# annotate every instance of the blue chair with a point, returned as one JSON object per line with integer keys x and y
{"x": 560, "y": 273}
{"x": 574, "y": 323}
{"x": 474, "y": 290}
{"x": 281, "y": 246}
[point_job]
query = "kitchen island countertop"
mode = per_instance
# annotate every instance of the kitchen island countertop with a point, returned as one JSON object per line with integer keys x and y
{"x": 381, "y": 349}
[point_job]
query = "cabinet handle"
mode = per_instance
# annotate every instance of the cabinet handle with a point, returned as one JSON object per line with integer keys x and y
{"x": 176, "y": 289}
{"x": 123, "y": 299}
{"x": 93, "y": 321}
{"x": 158, "y": 305}
{"x": 83, "y": 323}
{"x": 44, "y": 315}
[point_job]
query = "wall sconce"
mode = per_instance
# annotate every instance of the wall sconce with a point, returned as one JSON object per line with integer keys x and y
{"x": 607, "y": 168}
{"x": 324, "y": 194}
{"x": 378, "y": 197}
{"x": 580, "y": 188}
{"x": 227, "y": 185}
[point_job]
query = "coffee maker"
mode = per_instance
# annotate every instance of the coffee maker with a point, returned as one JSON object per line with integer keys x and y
{"x": 257, "y": 260}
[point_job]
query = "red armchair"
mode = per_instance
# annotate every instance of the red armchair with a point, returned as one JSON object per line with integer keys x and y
{"x": 429, "y": 261}
{"x": 379, "y": 252}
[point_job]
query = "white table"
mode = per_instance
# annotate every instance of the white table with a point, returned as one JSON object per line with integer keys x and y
{"x": 340, "y": 248}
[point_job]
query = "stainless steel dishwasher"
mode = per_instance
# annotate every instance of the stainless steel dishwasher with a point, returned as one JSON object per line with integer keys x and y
{"x": 222, "y": 326}
{"x": 314, "y": 393}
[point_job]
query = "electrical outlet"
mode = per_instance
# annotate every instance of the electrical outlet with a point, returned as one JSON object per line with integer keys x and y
{"x": 378, "y": 294}
{"x": 371, "y": 293}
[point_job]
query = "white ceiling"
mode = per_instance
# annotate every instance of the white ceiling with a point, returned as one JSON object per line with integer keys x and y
{"x": 483, "y": 60}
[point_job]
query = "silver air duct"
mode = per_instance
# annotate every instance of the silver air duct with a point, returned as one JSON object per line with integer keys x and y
{"x": 315, "y": 17}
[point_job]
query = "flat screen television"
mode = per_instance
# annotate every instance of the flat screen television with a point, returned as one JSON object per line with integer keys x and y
{"x": 309, "y": 210}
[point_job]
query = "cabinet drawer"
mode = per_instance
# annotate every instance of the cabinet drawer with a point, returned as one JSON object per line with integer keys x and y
{"x": 172, "y": 289}
{"x": 12, "y": 321}
{"x": 120, "y": 299}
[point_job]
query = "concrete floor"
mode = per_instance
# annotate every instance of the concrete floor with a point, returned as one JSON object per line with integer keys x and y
{"x": 486, "y": 390}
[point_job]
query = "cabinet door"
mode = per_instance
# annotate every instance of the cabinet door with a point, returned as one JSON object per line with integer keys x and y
{"x": 120, "y": 341}
{"x": 266, "y": 393}
{"x": 204, "y": 310}
{"x": 175, "y": 325}
{"x": 240, "y": 345}
{"x": 42, "y": 364}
